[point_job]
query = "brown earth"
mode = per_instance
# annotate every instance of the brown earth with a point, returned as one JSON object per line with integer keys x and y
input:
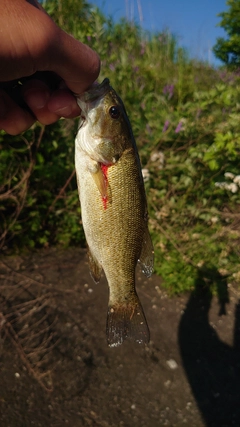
{"x": 56, "y": 369}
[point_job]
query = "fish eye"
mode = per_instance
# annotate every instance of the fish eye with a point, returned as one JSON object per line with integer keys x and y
{"x": 114, "y": 112}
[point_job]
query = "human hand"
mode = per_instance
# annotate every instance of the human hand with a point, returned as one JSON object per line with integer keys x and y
{"x": 32, "y": 49}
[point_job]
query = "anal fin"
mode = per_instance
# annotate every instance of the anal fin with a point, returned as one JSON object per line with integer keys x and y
{"x": 126, "y": 321}
{"x": 146, "y": 258}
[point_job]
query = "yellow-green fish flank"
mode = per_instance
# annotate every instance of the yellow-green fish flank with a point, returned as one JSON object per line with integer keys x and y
{"x": 114, "y": 208}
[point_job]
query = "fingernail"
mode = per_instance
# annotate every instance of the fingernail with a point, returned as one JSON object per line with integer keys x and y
{"x": 36, "y": 99}
{"x": 64, "y": 111}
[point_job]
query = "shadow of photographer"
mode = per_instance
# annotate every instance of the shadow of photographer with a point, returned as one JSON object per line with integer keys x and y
{"x": 212, "y": 366}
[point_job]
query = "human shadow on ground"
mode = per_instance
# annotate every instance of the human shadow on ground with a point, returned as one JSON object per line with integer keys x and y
{"x": 212, "y": 367}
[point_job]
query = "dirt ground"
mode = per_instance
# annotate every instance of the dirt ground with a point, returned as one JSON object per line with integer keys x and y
{"x": 56, "y": 369}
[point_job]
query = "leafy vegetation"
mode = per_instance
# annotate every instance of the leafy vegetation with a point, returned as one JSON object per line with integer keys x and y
{"x": 228, "y": 50}
{"x": 185, "y": 117}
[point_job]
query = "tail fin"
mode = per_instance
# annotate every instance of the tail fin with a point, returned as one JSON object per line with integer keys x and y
{"x": 126, "y": 321}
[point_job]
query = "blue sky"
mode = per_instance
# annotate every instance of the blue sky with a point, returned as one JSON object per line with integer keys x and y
{"x": 194, "y": 22}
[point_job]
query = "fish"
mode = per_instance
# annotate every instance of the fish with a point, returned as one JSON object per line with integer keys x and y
{"x": 113, "y": 208}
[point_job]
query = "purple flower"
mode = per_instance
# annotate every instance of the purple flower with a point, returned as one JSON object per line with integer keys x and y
{"x": 168, "y": 90}
{"x": 163, "y": 39}
{"x": 112, "y": 67}
{"x": 179, "y": 127}
{"x": 142, "y": 48}
{"x": 198, "y": 113}
{"x": 222, "y": 75}
{"x": 89, "y": 38}
{"x": 148, "y": 128}
{"x": 166, "y": 124}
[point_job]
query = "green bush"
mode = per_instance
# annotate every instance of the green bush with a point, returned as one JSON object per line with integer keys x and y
{"x": 39, "y": 200}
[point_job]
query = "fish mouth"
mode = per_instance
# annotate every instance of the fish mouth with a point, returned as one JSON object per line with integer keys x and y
{"x": 95, "y": 91}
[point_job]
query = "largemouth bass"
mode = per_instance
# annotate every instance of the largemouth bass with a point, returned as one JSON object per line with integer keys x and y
{"x": 113, "y": 208}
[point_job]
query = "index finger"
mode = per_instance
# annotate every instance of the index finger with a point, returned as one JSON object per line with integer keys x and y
{"x": 76, "y": 63}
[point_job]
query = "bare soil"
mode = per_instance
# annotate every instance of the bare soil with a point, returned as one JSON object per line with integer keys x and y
{"x": 56, "y": 369}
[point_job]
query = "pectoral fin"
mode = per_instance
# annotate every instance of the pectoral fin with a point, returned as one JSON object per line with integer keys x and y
{"x": 99, "y": 178}
{"x": 94, "y": 267}
{"x": 100, "y": 182}
{"x": 146, "y": 258}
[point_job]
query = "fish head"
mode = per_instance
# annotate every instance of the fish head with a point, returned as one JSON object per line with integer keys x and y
{"x": 104, "y": 131}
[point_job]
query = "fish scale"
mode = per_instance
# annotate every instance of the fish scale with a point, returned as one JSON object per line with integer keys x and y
{"x": 114, "y": 209}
